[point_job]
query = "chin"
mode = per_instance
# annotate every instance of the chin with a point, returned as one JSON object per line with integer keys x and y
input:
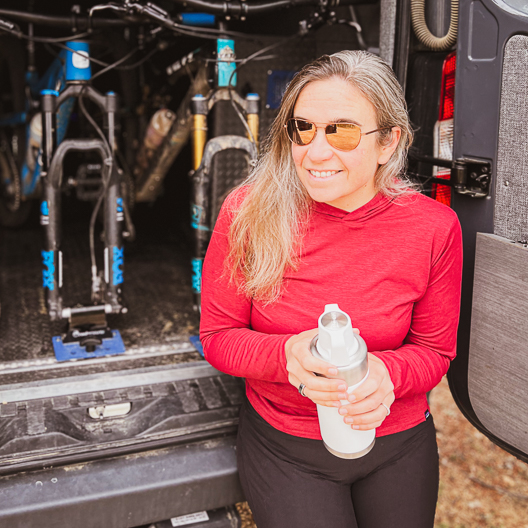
{"x": 323, "y": 198}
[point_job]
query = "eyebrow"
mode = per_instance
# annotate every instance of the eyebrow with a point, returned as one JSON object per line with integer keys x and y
{"x": 333, "y": 121}
{"x": 353, "y": 121}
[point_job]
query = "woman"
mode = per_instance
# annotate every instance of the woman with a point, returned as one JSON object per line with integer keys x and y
{"x": 327, "y": 218}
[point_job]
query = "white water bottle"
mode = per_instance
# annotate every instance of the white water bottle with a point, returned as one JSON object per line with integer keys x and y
{"x": 338, "y": 344}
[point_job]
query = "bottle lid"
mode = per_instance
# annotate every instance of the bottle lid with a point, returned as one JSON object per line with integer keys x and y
{"x": 337, "y": 343}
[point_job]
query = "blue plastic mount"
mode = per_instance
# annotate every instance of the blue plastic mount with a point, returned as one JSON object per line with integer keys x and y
{"x": 196, "y": 343}
{"x": 68, "y": 351}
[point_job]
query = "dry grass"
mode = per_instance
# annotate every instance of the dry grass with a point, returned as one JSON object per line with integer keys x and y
{"x": 481, "y": 486}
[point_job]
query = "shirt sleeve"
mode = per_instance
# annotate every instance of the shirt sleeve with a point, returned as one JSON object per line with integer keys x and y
{"x": 229, "y": 343}
{"x": 419, "y": 364}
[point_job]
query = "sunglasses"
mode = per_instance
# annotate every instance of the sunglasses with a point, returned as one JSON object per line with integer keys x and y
{"x": 342, "y": 136}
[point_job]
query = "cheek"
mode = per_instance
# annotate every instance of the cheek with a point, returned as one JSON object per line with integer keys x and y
{"x": 298, "y": 154}
{"x": 361, "y": 154}
{"x": 365, "y": 159}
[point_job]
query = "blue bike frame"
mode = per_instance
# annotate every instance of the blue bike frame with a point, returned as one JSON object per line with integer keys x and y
{"x": 71, "y": 65}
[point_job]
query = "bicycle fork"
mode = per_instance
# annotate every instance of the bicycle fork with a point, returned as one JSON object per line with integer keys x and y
{"x": 50, "y": 219}
{"x": 203, "y": 153}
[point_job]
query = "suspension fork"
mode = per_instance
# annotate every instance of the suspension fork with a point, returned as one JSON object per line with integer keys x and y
{"x": 52, "y": 169}
{"x": 201, "y": 207}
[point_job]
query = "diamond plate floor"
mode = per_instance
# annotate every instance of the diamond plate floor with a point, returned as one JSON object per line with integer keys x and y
{"x": 157, "y": 286}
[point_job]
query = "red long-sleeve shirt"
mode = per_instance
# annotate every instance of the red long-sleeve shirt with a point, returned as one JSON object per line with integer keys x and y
{"x": 394, "y": 266}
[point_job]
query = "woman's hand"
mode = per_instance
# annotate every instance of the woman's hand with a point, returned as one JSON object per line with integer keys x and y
{"x": 367, "y": 410}
{"x": 302, "y": 366}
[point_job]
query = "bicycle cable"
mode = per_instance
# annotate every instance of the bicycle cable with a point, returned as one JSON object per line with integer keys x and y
{"x": 109, "y": 66}
{"x": 13, "y": 29}
{"x": 110, "y": 162}
{"x": 116, "y": 64}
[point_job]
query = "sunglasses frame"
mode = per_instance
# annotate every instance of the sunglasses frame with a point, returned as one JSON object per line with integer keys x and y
{"x": 325, "y": 126}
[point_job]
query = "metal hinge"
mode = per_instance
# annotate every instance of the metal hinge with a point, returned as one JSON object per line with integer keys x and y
{"x": 469, "y": 176}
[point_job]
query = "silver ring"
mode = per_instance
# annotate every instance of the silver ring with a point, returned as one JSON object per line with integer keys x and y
{"x": 388, "y": 409}
{"x": 302, "y": 386}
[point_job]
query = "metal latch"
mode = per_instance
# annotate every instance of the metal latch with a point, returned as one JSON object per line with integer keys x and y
{"x": 469, "y": 176}
{"x": 109, "y": 411}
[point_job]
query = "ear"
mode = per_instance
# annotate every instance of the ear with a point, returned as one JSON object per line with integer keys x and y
{"x": 388, "y": 149}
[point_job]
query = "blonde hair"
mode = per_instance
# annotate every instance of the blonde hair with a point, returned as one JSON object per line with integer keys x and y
{"x": 267, "y": 228}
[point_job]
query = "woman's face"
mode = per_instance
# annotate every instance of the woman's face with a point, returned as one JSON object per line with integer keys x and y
{"x": 338, "y": 178}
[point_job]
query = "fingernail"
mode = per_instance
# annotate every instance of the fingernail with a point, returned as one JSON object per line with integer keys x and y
{"x": 349, "y": 421}
{"x": 342, "y": 411}
{"x": 342, "y": 387}
{"x": 336, "y": 404}
{"x": 351, "y": 398}
{"x": 332, "y": 371}
{"x": 355, "y": 427}
{"x": 342, "y": 396}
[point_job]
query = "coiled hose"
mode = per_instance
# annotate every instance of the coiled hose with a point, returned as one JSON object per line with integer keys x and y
{"x": 422, "y": 31}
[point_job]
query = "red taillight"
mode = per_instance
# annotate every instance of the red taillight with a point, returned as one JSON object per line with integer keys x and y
{"x": 443, "y": 132}
{"x": 447, "y": 93}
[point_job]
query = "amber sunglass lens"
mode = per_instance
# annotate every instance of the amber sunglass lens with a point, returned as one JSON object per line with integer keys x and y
{"x": 300, "y": 132}
{"x": 343, "y": 136}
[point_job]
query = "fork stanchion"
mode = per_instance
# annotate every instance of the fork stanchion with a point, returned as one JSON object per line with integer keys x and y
{"x": 252, "y": 115}
{"x": 50, "y": 210}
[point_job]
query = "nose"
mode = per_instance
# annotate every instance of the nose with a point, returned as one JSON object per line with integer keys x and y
{"x": 319, "y": 149}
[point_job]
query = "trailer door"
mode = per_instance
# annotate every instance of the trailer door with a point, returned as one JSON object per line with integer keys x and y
{"x": 489, "y": 378}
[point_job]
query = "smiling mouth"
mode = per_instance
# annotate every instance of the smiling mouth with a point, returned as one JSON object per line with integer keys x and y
{"x": 323, "y": 174}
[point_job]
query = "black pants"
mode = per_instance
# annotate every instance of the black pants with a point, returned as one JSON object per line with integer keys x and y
{"x": 293, "y": 482}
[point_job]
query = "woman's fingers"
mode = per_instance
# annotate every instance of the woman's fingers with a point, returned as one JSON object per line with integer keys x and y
{"x": 369, "y": 420}
{"x": 368, "y": 405}
{"x": 378, "y": 382}
{"x": 298, "y": 347}
{"x": 367, "y": 408}
{"x": 303, "y": 367}
{"x": 320, "y": 390}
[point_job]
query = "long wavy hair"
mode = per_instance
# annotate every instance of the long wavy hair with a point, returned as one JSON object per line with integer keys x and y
{"x": 268, "y": 226}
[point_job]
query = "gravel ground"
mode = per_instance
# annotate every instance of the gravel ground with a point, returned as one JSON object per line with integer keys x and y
{"x": 481, "y": 486}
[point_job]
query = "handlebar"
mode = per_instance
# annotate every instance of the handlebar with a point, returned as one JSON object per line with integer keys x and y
{"x": 74, "y": 20}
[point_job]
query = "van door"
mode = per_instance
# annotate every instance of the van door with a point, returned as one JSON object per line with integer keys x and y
{"x": 489, "y": 378}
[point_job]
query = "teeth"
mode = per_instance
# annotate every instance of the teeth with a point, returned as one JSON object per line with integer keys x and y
{"x": 323, "y": 174}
